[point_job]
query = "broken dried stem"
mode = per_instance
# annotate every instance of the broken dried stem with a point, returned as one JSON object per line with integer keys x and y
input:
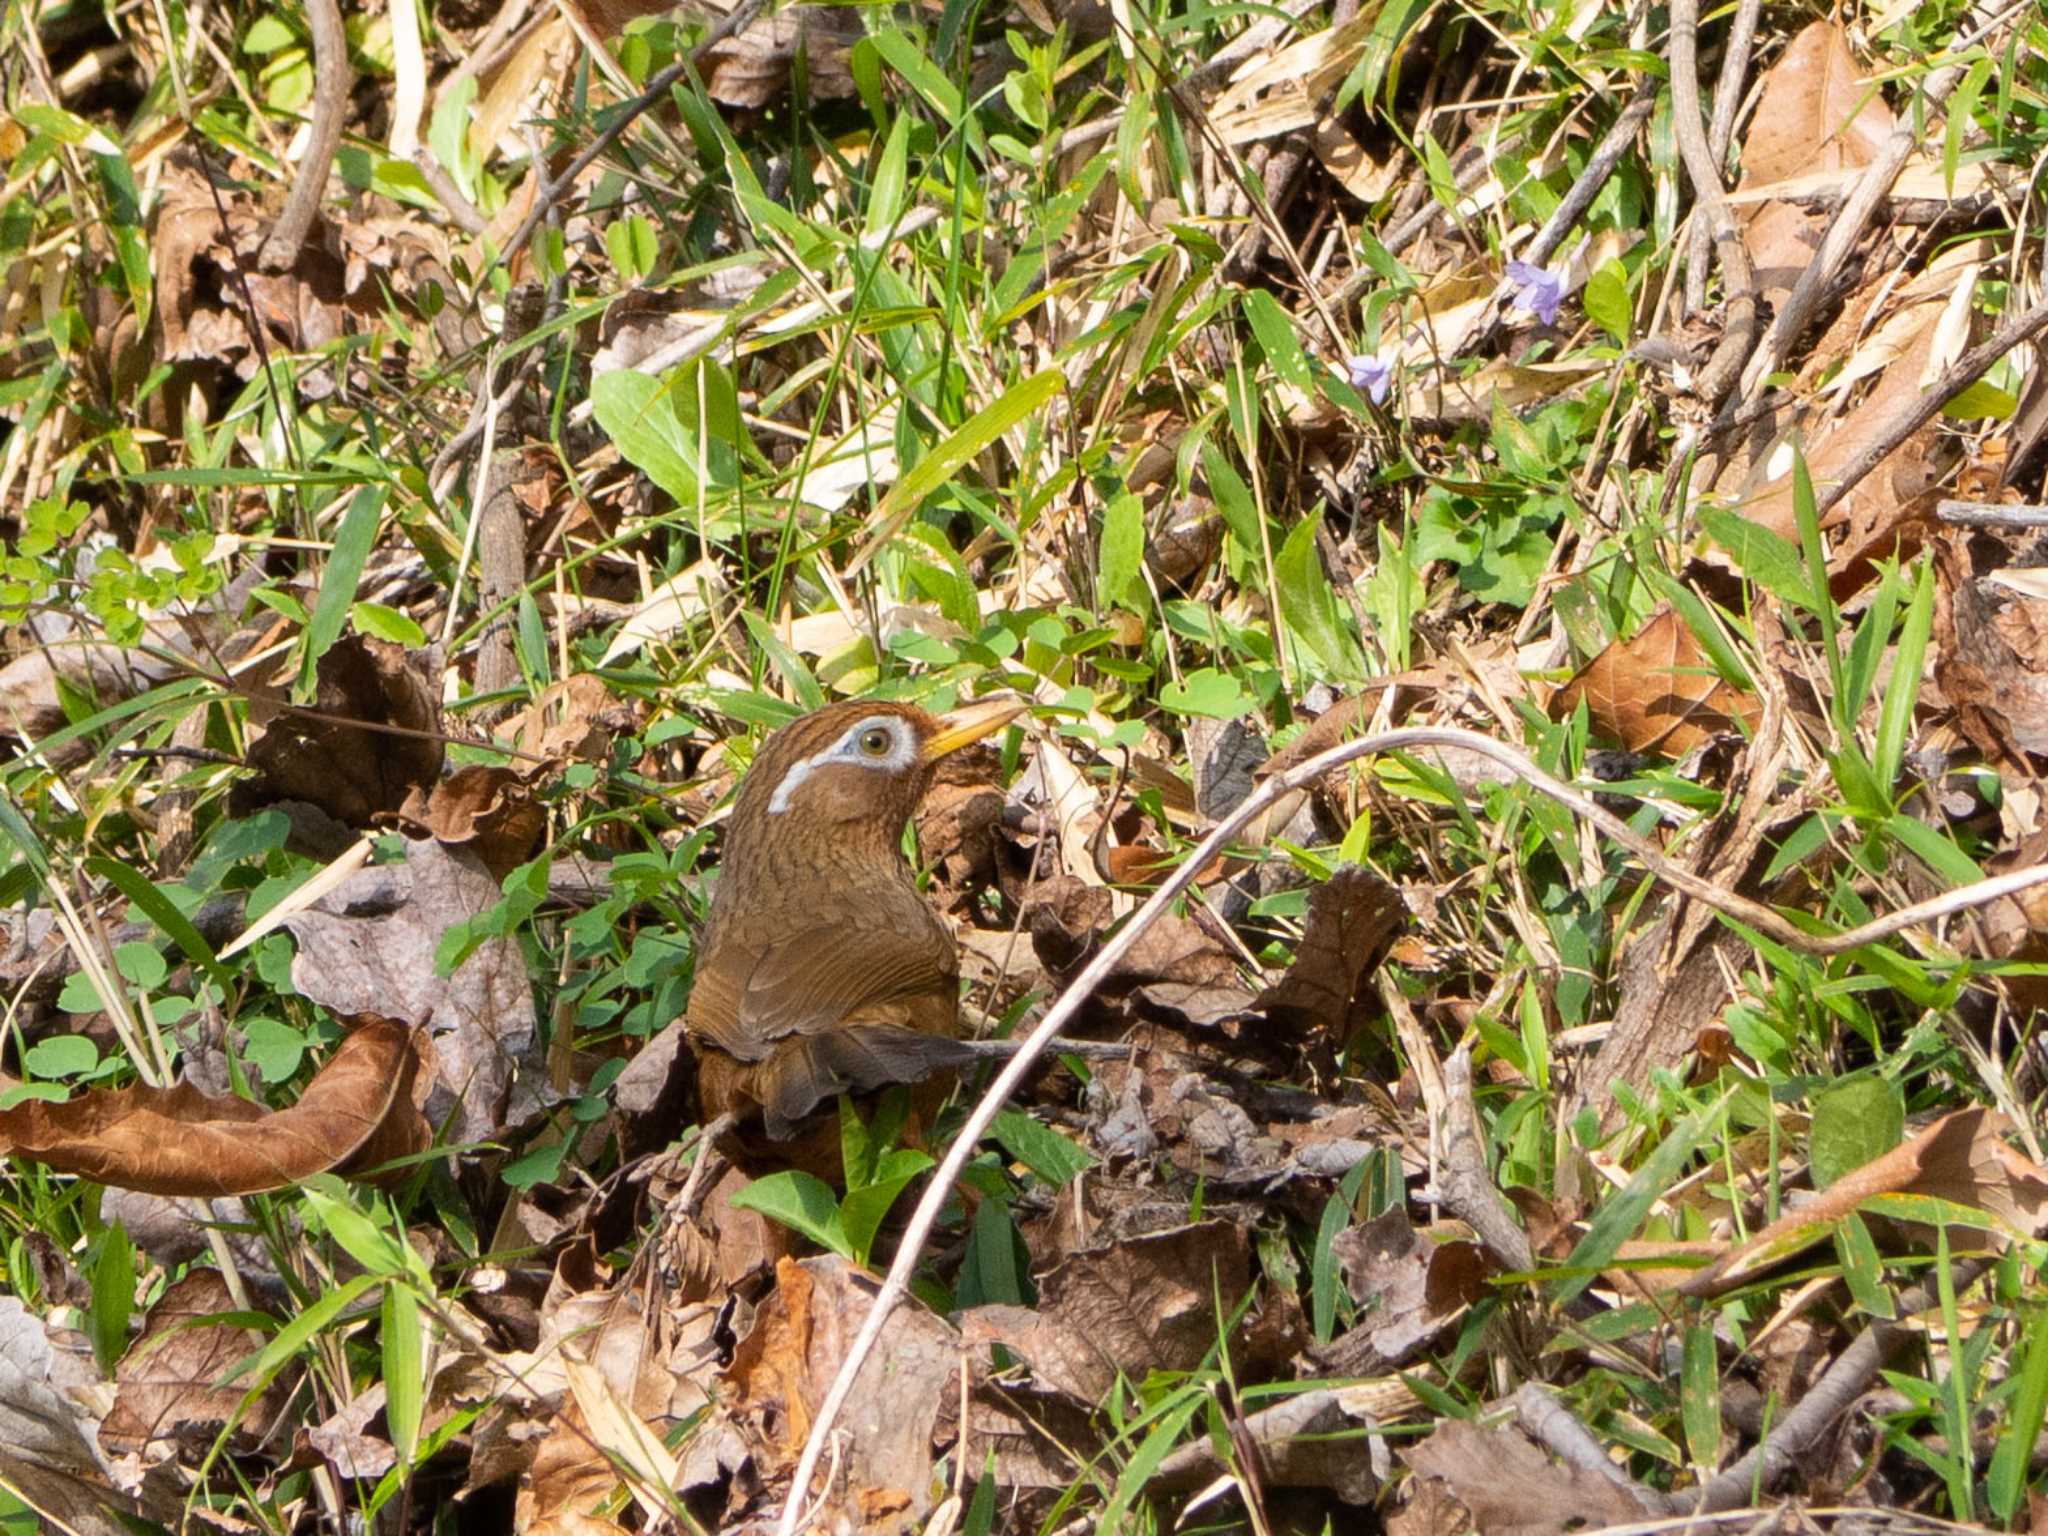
{"x": 1711, "y": 202}
{"x": 330, "y": 100}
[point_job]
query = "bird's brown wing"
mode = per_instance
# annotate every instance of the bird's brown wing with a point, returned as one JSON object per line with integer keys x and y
{"x": 810, "y": 981}
{"x": 830, "y": 1009}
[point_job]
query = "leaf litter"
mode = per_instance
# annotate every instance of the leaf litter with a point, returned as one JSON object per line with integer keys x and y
{"x": 1431, "y": 1131}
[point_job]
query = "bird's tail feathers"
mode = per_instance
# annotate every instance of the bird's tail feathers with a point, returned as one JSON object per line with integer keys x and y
{"x": 859, "y": 1058}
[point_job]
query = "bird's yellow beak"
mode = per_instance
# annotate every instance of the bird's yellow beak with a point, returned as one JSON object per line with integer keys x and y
{"x": 965, "y": 726}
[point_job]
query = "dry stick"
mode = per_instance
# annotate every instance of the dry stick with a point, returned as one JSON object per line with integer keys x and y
{"x": 1990, "y": 514}
{"x": 1917, "y": 410}
{"x": 1558, "y": 1429}
{"x": 330, "y": 99}
{"x": 1837, "y": 1388}
{"x": 442, "y": 185}
{"x": 1727, "y": 99}
{"x": 1741, "y": 908}
{"x": 1717, "y": 378}
{"x": 1871, "y": 189}
{"x": 439, "y": 477}
{"x": 1606, "y": 155}
{"x": 501, "y": 577}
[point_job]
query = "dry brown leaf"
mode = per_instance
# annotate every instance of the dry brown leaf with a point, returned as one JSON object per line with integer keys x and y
{"x": 167, "y": 1401}
{"x": 1305, "y": 1440}
{"x": 616, "y": 1362}
{"x": 356, "y": 1113}
{"x": 752, "y": 68}
{"x": 1350, "y": 165}
{"x": 1132, "y": 1306}
{"x": 371, "y": 944}
{"x": 577, "y": 717}
{"x": 958, "y": 822}
{"x": 781, "y": 1370}
{"x": 2015, "y": 928}
{"x": 771, "y": 1366}
{"x": 208, "y": 280}
{"x": 2029, "y": 429}
{"x": 49, "y": 1445}
{"x": 1411, "y": 1289}
{"x": 1657, "y": 692}
{"x": 518, "y": 84}
{"x": 1991, "y": 656}
{"x": 1817, "y": 114}
{"x": 370, "y": 739}
{"x": 1959, "y": 1158}
{"x": 344, "y": 1438}
{"x": 485, "y": 807}
{"x": 568, "y": 1481}
{"x": 1352, "y": 918}
{"x": 1509, "y": 1486}
{"x": 1177, "y": 970}
{"x": 1429, "y": 396}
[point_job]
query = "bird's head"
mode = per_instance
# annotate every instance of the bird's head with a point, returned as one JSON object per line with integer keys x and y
{"x": 859, "y": 765}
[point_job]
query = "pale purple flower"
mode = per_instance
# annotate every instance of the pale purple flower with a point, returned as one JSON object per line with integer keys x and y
{"x": 1374, "y": 375}
{"x": 1537, "y": 289}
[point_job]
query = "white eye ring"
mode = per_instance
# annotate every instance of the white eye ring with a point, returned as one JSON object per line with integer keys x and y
{"x": 880, "y": 741}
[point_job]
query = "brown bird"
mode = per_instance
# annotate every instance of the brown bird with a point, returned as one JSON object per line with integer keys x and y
{"x": 821, "y": 970}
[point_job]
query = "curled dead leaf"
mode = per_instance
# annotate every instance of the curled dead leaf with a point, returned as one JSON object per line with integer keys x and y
{"x": 1352, "y": 917}
{"x": 370, "y": 740}
{"x": 355, "y": 1114}
{"x": 1411, "y": 1289}
{"x": 487, "y": 806}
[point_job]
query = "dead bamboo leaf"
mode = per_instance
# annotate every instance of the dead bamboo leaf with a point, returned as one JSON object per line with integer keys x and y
{"x": 1959, "y": 1158}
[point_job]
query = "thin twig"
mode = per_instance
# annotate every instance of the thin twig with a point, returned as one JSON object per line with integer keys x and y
{"x": 1989, "y": 514}
{"x": 741, "y": 17}
{"x": 1710, "y": 202}
{"x": 551, "y": 191}
{"x": 1740, "y": 908}
{"x": 330, "y": 100}
{"x": 1917, "y": 410}
{"x": 1599, "y": 166}
{"x": 440, "y": 478}
{"x": 449, "y": 195}
{"x": 1727, "y": 100}
{"x": 1605, "y": 157}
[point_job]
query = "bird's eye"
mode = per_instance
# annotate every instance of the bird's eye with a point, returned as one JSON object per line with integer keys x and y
{"x": 875, "y": 742}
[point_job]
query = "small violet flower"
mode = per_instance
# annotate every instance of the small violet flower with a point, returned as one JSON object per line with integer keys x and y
{"x": 1374, "y": 375}
{"x": 1537, "y": 290}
